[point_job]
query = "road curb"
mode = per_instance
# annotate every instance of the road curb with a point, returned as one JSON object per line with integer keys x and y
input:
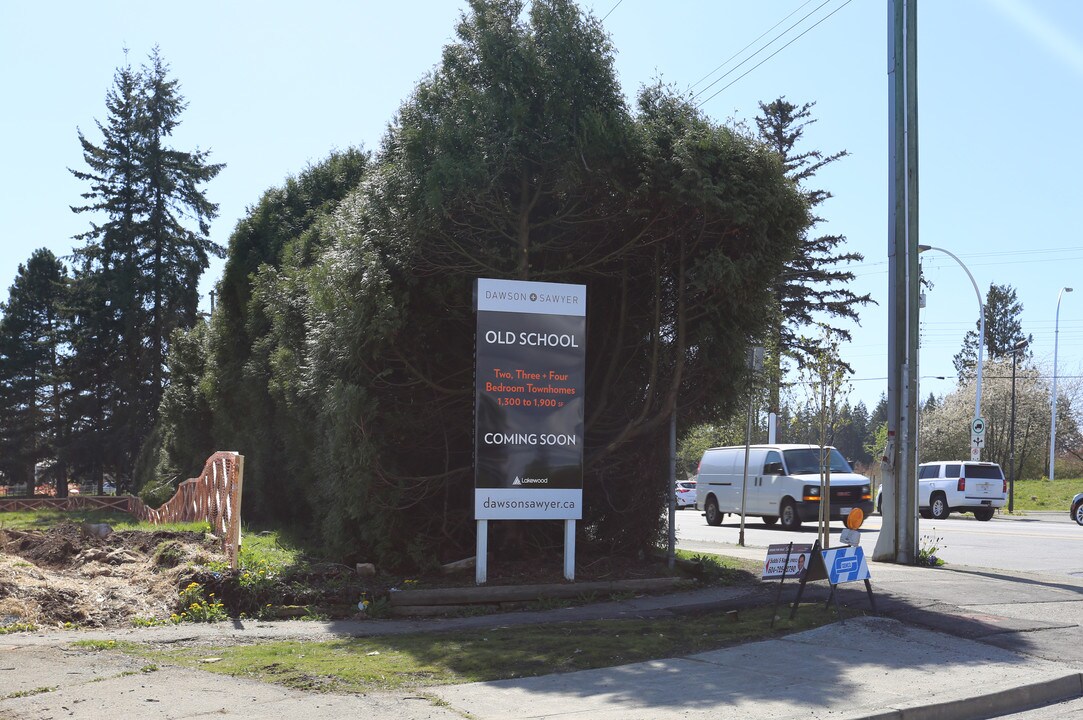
{"x": 1002, "y": 702}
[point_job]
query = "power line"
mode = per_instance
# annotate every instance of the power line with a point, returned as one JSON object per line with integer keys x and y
{"x": 611, "y": 10}
{"x": 769, "y": 43}
{"x": 746, "y": 47}
{"x": 776, "y": 52}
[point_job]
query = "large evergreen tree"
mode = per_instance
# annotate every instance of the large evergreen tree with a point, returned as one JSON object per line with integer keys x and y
{"x": 137, "y": 273}
{"x": 517, "y": 158}
{"x": 102, "y": 414}
{"x": 32, "y": 386}
{"x": 172, "y": 255}
{"x": 1003, "y": 329}
{"x": 814, "y": 288}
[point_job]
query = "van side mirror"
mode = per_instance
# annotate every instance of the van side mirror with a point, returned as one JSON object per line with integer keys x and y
{"x": 772, "y": 468}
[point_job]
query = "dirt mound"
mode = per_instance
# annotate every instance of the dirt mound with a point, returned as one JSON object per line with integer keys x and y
{"x": 71, "y": 574}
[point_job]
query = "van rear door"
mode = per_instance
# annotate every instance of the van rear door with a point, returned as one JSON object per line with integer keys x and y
{"x": 716, "y": 478}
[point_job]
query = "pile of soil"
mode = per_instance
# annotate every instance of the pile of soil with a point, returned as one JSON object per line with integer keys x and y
{"x": 72, "y": 574}
{"x": 86, "y": 576}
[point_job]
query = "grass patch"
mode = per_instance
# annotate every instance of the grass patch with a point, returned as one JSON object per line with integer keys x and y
{"x": 269, "y": 548}
{"x": 723, "y": 569}
{"x": 29, "y": 693}
{"x": 96, "y": 645}
{"x": 409, "y": 661}
{"x": 1044, "y": 494}
{"x": 45, "y": 519}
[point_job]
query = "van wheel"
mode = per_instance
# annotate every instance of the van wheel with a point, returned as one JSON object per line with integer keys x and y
{"x": 938, "y": 507}
{"x": 983, "y": 514}
{"x": 788, "y": 515}
{"x": 769, "y": 519}
{"x": 714, "y": 517}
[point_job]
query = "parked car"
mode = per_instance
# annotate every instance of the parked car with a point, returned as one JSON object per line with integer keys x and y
{"x": 956, "y": 486}
{"x": 686, "y": 494}
{"x": 1077, "y": 508}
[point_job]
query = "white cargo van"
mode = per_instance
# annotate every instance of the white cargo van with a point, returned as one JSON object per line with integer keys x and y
{"x": 783, "y": 483}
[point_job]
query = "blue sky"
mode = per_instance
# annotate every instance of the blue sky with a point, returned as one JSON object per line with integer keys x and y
{"x": 273, "y": 87}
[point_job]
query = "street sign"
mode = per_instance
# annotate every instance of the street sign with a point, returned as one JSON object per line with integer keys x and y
{"x": 977, "y": 438}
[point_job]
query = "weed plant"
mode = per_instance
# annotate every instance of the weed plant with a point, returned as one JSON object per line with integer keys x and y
{"x": 928, "y": 547}
{"x": 194, "y": 607}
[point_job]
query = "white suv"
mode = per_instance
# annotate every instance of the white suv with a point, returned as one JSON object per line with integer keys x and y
{"x": 977, "y": 487}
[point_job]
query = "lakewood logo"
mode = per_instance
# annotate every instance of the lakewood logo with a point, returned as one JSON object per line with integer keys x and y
{"x": 518, "y": 481}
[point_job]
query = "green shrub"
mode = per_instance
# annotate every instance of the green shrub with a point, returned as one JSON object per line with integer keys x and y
{"x": 155, "y": 496}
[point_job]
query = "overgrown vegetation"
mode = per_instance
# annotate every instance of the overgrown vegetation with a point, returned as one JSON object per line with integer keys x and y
{"x": 340, "y": 358}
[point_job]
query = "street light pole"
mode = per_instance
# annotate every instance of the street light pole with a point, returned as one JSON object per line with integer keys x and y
{"x": 981, "y": 328}
{"x": 1053, "y": 395}
{"x": 1019, "y": 347}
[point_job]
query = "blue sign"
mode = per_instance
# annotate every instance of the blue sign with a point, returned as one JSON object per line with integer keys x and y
{"x": 845, "y": 564}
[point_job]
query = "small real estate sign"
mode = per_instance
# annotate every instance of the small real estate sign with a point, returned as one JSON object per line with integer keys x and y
{"x": 530, "y": 372}
{"x": 776, "y": 566}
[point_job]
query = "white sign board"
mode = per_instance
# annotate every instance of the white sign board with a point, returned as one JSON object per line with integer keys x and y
{"x": 775, "y": 566}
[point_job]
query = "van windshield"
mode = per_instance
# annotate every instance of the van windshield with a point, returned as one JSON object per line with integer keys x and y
{"x": 806, "y": 461}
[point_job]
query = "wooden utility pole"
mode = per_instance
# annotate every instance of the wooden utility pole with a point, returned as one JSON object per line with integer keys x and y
{"x": 898, "y": 537}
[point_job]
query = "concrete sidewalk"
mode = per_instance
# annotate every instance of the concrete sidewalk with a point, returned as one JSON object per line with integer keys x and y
{"x": 949, "y": 644}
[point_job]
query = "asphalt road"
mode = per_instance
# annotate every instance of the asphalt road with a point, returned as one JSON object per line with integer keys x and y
{"x": 1039, "y": 542}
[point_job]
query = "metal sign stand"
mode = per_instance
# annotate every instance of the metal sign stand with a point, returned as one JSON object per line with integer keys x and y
{"x": 782, "y": 579}
{"x": 817, "y": 570}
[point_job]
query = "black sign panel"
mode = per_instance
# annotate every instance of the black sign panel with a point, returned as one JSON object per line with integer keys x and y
{"x": 529, "y": 375}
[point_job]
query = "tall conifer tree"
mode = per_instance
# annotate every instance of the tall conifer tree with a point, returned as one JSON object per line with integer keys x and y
{"x": 814, "y": 286}
{"x": 31, "y": 382}
{"x": 138, "y": 273}
{"x": 1003, "y": 329}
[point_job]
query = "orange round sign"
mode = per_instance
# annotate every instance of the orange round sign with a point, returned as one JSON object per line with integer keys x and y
{"x": 855, "y": 518}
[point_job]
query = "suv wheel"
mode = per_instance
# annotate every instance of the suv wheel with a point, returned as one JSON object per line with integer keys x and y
{"x": 938, "y": 507}
{"x": 1077, "y": 513}
{"x": 984, "y": 513}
